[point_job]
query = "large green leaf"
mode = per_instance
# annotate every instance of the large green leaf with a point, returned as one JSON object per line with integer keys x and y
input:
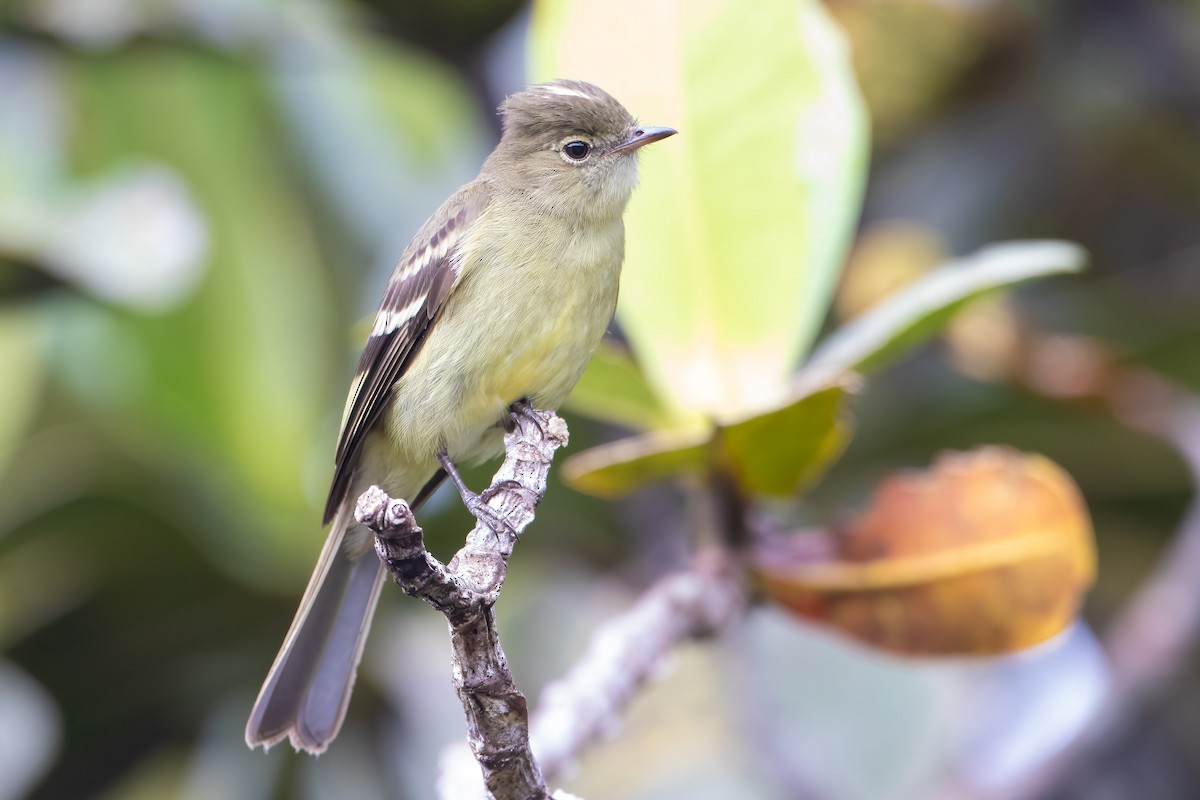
{"x": 918, "y": 311}
{"x": 778, "y": 452}
{"x": 618, "y": 468}
{"x": 737, "y": 232}
{"x": 782, "y": 452}
{"x": 232, "y": 386}
{"x": 613, "y": 389}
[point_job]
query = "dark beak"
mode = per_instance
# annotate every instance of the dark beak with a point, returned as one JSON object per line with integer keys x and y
{"x": 644, "y": 135}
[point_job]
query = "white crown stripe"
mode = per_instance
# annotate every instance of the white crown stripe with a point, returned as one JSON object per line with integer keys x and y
{"x": 564, "y": 91}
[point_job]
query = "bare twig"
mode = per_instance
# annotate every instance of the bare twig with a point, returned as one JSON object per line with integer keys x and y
{"x": 465, "y": 591}
{"x": 626, "y": 651}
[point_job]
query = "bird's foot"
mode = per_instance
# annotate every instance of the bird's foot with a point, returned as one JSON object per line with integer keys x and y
{"x": 523, "y": 409}
{"x": 477, "y": 504}
{"x": 490, "y": 517}
{"x": 501, "y": 486}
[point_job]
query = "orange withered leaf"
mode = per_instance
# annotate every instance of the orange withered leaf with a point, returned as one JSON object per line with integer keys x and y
{"x": 986, "y": 552}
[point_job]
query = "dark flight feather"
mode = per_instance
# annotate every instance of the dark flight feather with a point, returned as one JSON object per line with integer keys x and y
{"x": 424, "y": 278}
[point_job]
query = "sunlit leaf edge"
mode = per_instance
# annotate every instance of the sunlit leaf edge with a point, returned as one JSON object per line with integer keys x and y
{"x": 911, "y": 315}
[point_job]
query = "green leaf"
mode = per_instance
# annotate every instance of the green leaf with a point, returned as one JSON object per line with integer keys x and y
{"x": 782, "y": 452}
{"x": 917, "y": 312}
{"x": 620, "y": 467}
{"x": 232, "y": 386}
{"x": 777, "y": 452}
{"x": 21, "y": 354}
{"x": 386, "y": 131}
{"x": 614, "y": 390}
{"x": 737, "y": 231}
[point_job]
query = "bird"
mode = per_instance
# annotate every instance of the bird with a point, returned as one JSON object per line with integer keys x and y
{"x": 501, "y": 298}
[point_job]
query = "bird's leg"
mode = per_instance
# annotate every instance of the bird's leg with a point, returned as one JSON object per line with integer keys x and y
{"x": 475, "y": 503}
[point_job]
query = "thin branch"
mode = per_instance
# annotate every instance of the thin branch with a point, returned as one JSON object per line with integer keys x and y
{"x": 628, "y": 650}
{"x": 465, "y": 591}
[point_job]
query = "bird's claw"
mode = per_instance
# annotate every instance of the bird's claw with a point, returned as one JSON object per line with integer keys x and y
{"x": 478, "y": 507}
{"x": 496, "y": 488}
{"x": 523, "y": 408}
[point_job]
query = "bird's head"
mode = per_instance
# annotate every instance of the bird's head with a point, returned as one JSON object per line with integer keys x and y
{"x": 572, "y": 145}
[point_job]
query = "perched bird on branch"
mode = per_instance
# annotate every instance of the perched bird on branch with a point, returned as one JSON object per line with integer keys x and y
{"x": 500, "y": 299}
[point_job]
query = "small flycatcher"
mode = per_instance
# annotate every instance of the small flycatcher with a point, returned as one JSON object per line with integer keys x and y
{"x": 501, "y": 297}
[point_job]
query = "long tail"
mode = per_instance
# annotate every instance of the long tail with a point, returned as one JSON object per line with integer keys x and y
{"x": 308, "y": 688}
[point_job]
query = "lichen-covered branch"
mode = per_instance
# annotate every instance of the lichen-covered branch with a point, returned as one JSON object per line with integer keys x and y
{"x": 465, "y": 591}
{"x": 626, "y": 651}
{"x": 591, "y": 697}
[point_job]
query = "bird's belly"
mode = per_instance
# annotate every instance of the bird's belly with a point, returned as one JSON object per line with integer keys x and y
{"x": 546, "y": 357}
{"x": 519, "y": 337}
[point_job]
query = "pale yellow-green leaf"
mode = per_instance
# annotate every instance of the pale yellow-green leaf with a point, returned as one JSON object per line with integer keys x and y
{"x": 738, "y": 230}
{"x": 920, "y": 310}
{"x": 778, "y": 452}
{"x": 614, "y": 390}
{"x": 620, "y": 467}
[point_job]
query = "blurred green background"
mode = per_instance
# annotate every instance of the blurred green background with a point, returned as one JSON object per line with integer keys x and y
{"x": 200, "y": 201}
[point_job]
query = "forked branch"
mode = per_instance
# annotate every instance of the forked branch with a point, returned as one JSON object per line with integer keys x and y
{"x": 465, "y": 591}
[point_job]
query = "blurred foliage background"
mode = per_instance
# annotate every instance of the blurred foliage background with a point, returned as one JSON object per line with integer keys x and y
{"x": 200, "y": 201}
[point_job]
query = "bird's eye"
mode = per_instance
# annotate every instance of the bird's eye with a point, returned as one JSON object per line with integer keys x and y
{"x": 577, "y": 151}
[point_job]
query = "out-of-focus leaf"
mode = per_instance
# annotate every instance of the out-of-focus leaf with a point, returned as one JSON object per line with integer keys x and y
{"x": 386, "y": 131}
{"x": 242, "y": 372}
{"x": 919, "y": 311}
{"x": 776, "y": 452}
{"x": 134, "y": 238}
{"x": 613, "y": 389}
{"x": 781, "y": 452}
{"x": 887, "y": 257}
{"x": 21, "y": 353}
{"x": 737, "y": 232}
{"x": 620, "y": 467}
{"x": 987, "y": 552}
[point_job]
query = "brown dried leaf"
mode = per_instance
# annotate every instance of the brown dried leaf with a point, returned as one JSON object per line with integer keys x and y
{"x": 987, "y": 552}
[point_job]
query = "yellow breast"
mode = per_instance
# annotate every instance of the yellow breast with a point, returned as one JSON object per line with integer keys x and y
{"x": 523, "y": 322}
